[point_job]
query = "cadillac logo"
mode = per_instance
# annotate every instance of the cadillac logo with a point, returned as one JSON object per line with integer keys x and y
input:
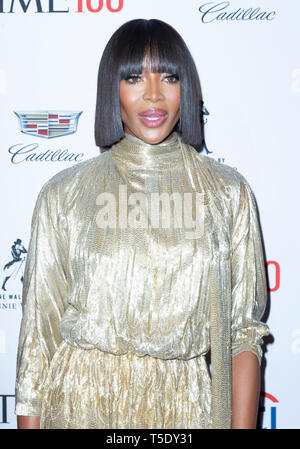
{"x": 48, "y": 124}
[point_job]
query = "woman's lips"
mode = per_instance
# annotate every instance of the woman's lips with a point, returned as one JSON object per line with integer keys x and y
{"x": 152, "y": 118}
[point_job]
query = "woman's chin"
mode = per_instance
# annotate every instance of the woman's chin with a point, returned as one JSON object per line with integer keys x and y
{"x": 152, "y": 136}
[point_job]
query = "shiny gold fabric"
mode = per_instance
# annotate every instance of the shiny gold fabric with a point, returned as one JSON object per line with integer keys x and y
{"x": 117, "y": 321}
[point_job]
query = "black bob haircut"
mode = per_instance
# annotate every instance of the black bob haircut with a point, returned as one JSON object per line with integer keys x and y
{"x": 166, "y": 52}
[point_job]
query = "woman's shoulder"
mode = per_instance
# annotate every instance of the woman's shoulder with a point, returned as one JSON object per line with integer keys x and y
{"x": 72, "y": 178}
{"x": 76, "y": 170}
{"x": 75, "y": 173}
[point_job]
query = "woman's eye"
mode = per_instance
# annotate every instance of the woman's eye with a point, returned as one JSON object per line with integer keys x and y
{"x": 133, "y": 79}
{"x": 172, "y": 79}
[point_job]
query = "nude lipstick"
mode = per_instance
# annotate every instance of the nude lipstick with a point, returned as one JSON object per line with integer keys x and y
{"x": 152, "y": 118}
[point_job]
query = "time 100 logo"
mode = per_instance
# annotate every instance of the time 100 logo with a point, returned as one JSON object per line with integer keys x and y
{"x": 117, "y": 7}
{"x": 52, "y": 6}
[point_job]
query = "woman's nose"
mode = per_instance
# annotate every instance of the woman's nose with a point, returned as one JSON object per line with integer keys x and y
{"x": 153, "y": 90}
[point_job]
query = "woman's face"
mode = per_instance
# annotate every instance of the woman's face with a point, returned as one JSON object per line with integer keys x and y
{"x": 150, "y": 105}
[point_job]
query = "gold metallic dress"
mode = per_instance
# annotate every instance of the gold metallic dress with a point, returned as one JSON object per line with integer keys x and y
{"x": 117, "y": 319}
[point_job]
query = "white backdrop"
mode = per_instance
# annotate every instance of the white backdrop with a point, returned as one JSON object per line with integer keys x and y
{"x": 247, "y": 55}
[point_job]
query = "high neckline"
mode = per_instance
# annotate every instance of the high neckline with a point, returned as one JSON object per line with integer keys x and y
{"x": 134, "y": 153}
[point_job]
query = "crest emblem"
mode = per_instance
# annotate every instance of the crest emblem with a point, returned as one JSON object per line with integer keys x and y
{"x": 48, "y": 124}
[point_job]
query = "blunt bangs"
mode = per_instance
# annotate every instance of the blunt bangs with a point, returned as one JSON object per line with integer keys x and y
{"x": 159, "y": 47}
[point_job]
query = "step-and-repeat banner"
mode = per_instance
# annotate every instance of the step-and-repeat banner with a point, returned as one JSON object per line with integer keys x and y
{"x": 247, "y": 55}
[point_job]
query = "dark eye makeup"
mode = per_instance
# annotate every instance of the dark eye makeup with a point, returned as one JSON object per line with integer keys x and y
{"x": 134, "y": 78}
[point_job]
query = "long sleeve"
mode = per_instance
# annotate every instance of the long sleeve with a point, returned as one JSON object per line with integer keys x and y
{"x": 249, "y": 287}
{"x": 43, "y": 299}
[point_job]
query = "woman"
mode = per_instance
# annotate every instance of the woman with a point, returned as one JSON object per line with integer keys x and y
{"x": 120, "y": 310}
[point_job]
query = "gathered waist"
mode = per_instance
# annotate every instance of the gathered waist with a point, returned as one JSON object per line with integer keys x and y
{"x": 129, "y": 351}
{"x": 129, "y": 354}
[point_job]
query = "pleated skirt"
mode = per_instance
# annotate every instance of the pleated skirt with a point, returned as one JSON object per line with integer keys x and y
{"x": 91, "y": 389}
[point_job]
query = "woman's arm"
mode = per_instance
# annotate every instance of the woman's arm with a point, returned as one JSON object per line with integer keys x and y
{"x": 28, "y": 422}
{"x": 44, "y": 297}
{"x": 245, "y": 390}
{"x": 249, "y": 298}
